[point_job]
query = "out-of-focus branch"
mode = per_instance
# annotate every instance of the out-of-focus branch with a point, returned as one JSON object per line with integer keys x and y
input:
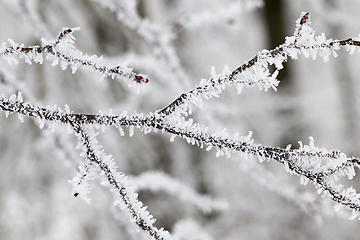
{"x": 159, "y": 37}
{"x": 157, "y": 181}
{"x": 33, "y": 18}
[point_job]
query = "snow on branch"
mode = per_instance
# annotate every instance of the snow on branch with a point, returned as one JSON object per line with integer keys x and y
{"x": 62, "y": 51}
{"x": 97, "y": 160}
{"x": 62, "y": 146}
{"x": 157, "y": 181}
{"x": 256, "y": 72}
{"x": 305, "y": 162}
{"x": 310, "y": 163}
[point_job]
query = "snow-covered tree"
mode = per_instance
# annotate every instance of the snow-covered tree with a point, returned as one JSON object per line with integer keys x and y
{"x": 101, "y": 86}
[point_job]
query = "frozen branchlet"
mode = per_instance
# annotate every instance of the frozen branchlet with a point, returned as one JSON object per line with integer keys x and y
{"x": 256, "y": 72}
{"x": 97, "y": 160}
{"x": 225, "y": 15}
{"x": 189, "y": 229}
{"x": 62, "y": 51}
{"x": 159, "y": 37}
{"x": 311, "y": 164}
{"x": 157, "y": 181}
{"x": 33, "y": 19}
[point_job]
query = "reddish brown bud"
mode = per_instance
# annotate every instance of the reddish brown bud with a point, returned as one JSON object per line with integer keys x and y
{"x": 305, "y": 18}
{"x": 66, "y": 31}
{"x": 141, "y": 79}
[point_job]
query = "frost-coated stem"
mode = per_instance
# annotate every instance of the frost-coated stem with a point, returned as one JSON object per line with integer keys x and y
{"x": 118, "y": 182}
{"x": 303, "y": 42}
{"x": 293, "y": 159}
{"x": 62, "y": 50}
{"x": 321, "y": 167}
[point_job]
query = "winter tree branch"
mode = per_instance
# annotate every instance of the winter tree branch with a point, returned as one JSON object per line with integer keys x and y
{"x": 105, "y": 164}
{"x": 311, "y": 164}
{"x": 62, "y": 50}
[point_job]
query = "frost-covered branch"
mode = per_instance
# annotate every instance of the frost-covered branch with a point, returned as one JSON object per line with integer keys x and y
{"x": 319, "y": 166}
{"x": 256, "y": 70}
{"x": 157, "y": 181}
{"x": 62, "y": 51}
{"x": 97, "y": 160}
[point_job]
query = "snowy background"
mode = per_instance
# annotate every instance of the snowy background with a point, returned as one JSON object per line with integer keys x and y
{"x": 176, "y": 43}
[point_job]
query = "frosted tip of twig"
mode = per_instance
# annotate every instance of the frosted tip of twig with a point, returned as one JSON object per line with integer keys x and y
{"x": 305, "y": 18}
{"x": 141, "y": 79}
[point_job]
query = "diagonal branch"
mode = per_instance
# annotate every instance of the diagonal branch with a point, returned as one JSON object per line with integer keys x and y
{"x": 293, "y": 159}
{"x": 119, "y": 184}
